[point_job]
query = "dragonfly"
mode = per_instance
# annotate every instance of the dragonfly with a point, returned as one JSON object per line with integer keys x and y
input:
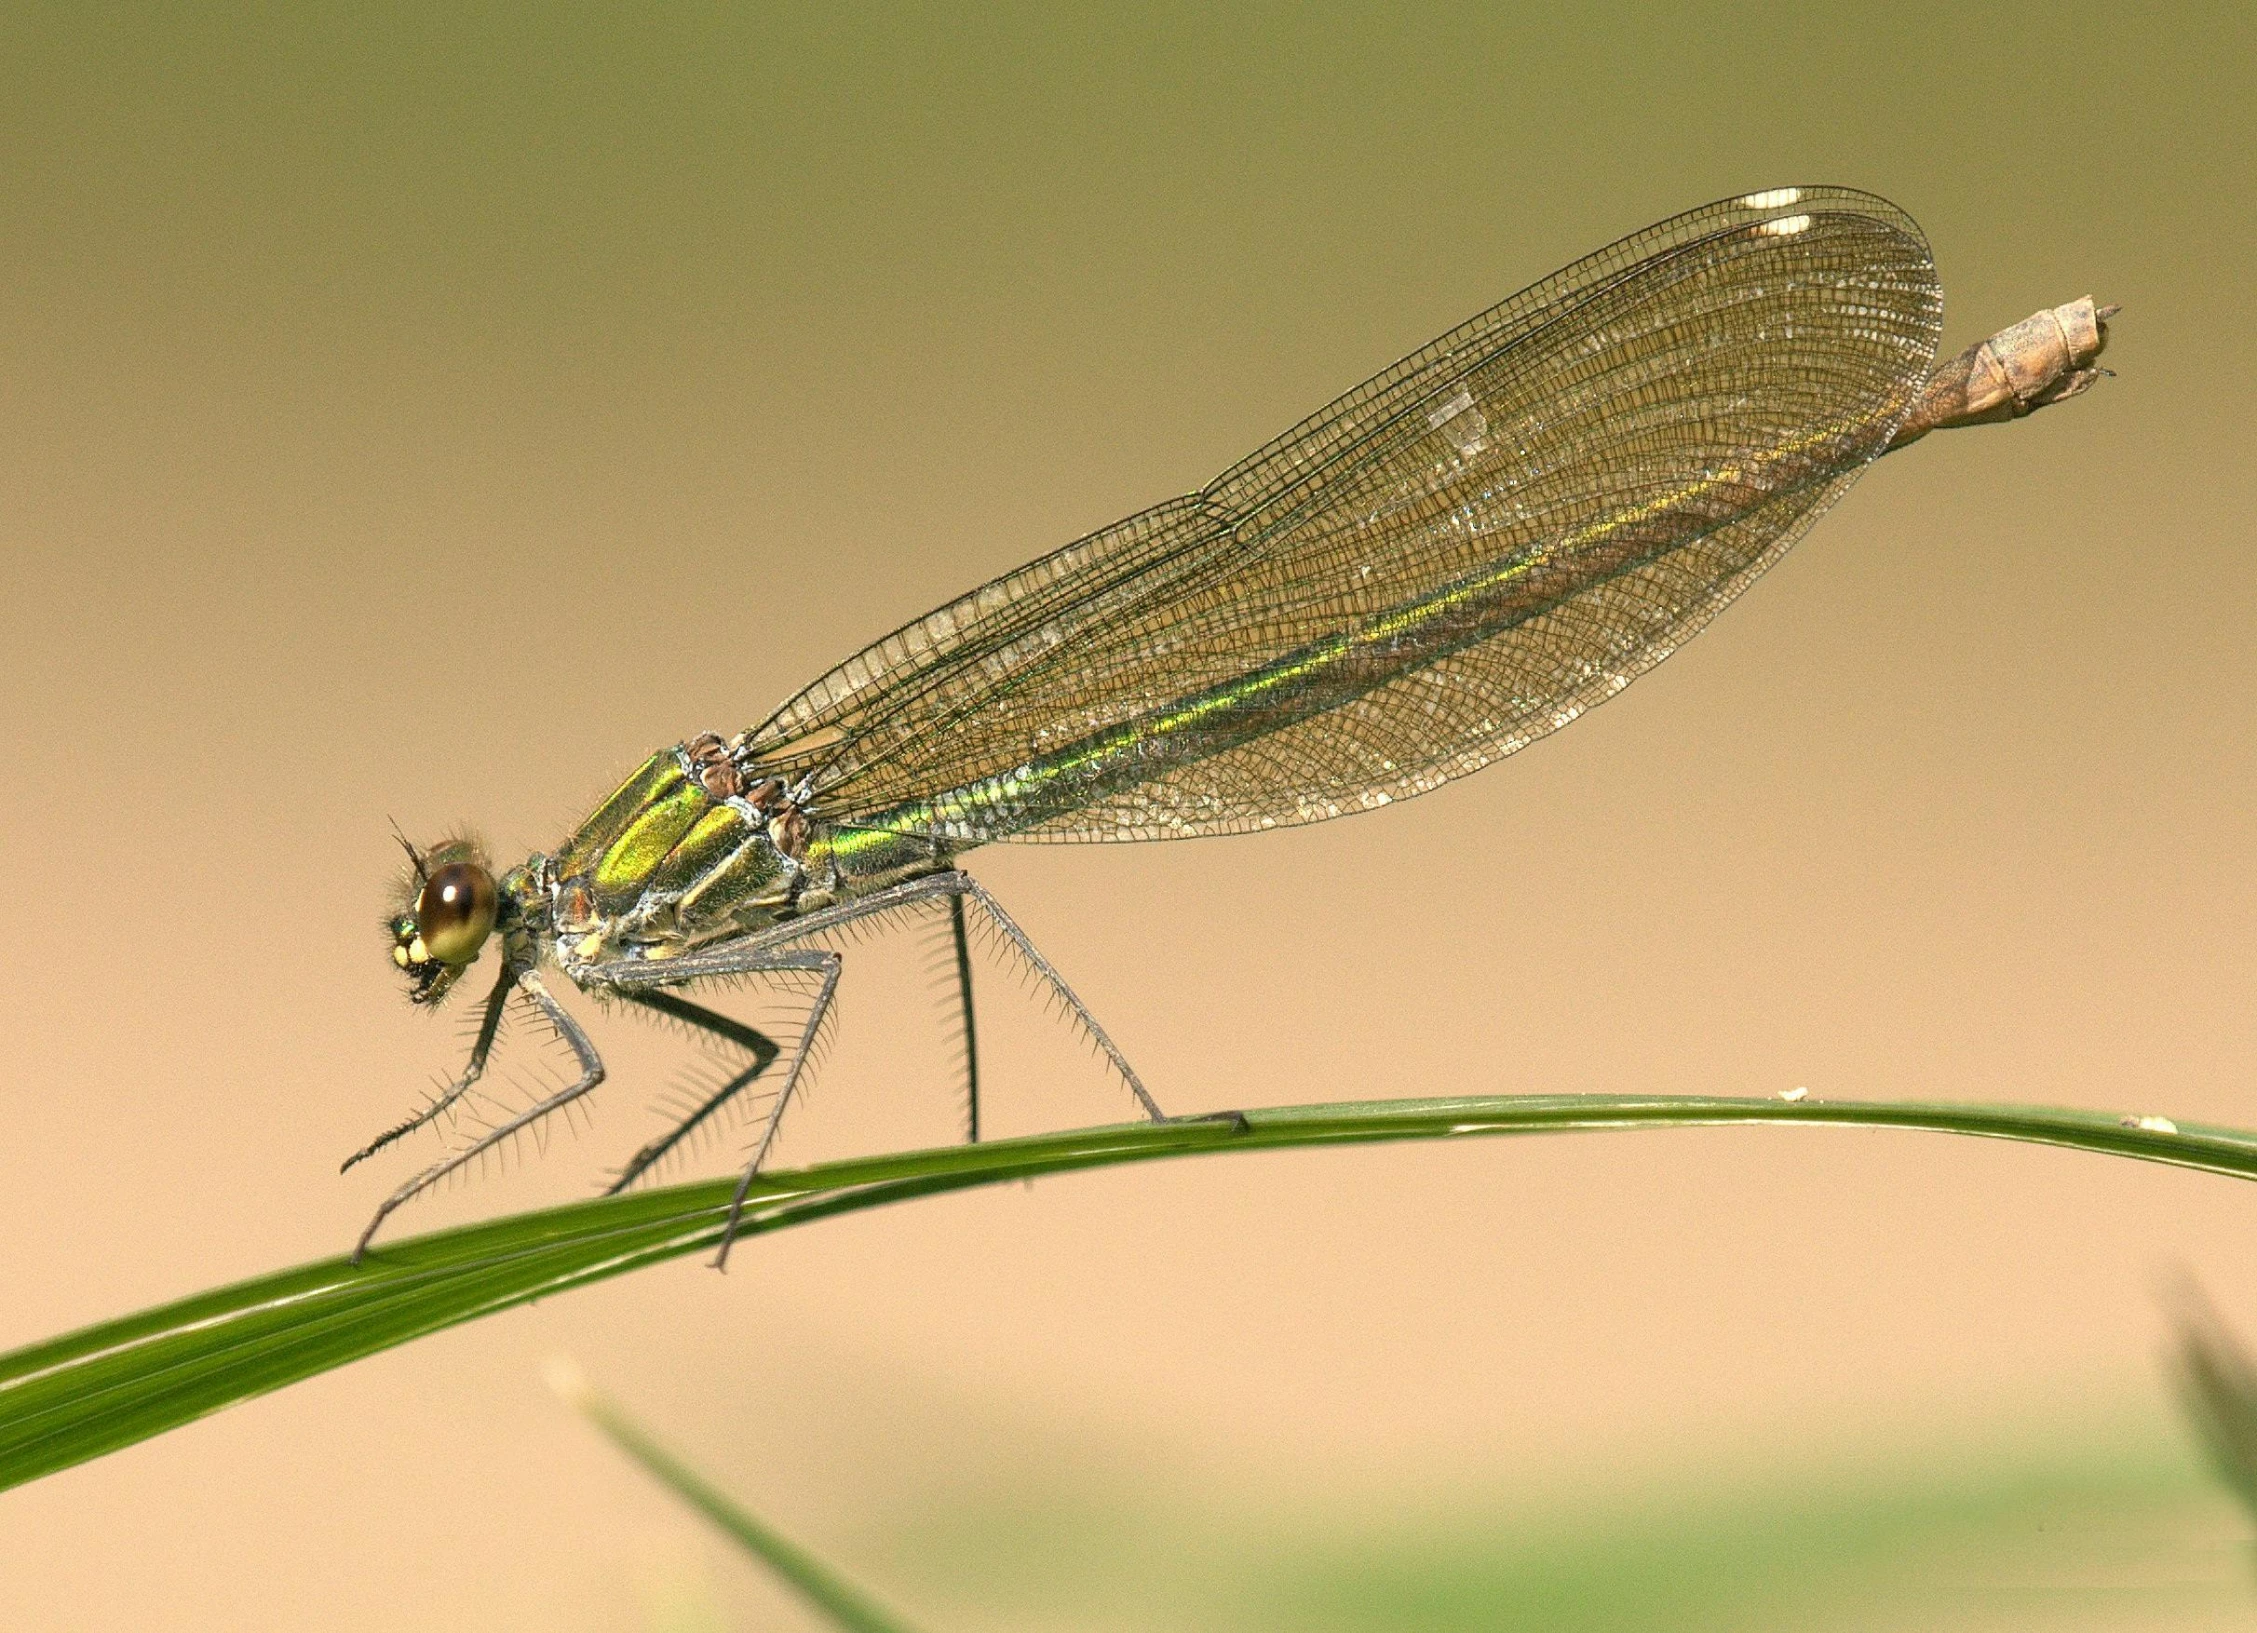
{"x": 1453, "y": 560}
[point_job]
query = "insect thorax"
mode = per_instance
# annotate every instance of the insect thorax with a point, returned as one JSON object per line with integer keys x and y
{"x": 689, "y": 851}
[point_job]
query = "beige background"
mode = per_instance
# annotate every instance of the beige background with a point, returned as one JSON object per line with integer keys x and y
{"x": 410, "y": 417}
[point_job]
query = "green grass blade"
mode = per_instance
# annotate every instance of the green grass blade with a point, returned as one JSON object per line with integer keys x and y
{"x": 78, "y": 1396}
{"x": 829, "y": 1593}
{"x": 2217, "y": 1379}
{"x": 2095, "y": 1518}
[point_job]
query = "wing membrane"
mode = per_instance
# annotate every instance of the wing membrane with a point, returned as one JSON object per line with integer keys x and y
{"x": 1447, "y": 563}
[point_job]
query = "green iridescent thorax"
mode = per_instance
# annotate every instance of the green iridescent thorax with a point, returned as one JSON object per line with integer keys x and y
{"x": 664, "y": 864}
{"x": 673, "y": 860}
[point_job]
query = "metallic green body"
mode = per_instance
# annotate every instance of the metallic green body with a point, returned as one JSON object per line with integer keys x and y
{"x": 663, "y": 866}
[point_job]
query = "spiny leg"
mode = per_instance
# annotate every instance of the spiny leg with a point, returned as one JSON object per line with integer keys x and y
{"x": 741, "y": 956}
{"x": 964, "y": 1009}
{"x": 829, "y": 964}
{"x": 757, "y": 1044}
{"x": 969, "y": 886}
{"x": 751, "y": 955}
{"x": 965, "y": 885}
{"x": 489, "y": 1024}
{"x": 765, "y": 951}
{"x": 591, "y": 1073}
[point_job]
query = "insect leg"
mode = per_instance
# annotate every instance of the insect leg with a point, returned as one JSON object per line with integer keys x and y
{"x": 481, "y": 1046}
{"x": 964, "y": 886}
{"x": 964, "y": 1009}
{"x": 591, "y": 1073}
{"x": 756, "y": 1044}
{"x": 830, "y": 964}
{"x": 774, "y": 949}
{"x": 721, "y": 960}
{"x": 752, "y": 957}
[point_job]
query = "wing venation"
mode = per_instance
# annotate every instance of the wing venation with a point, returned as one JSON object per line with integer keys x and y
{"x": 1445, "y": 564}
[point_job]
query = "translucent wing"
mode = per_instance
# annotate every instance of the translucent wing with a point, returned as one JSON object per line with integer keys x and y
{"x": 1449, "y": 562}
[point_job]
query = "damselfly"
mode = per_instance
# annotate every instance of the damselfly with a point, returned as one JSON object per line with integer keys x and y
{"x": 1454, "y": 559}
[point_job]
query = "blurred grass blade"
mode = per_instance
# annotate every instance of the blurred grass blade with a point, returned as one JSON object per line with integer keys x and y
{"x": 2218, "y": 1390}
{"x": 103, "y": 1387}
{"x": 836, "y": 1598}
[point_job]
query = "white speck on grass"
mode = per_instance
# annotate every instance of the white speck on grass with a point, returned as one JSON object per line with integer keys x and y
{"x": 2149, "y": 1125}
{"x": 1792, "y": 1095}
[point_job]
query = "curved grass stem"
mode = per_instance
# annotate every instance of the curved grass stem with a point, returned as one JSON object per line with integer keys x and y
{"x": 93, "y": 1391}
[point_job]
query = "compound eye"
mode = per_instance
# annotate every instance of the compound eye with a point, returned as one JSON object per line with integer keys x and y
{"x": 455, "y": 913}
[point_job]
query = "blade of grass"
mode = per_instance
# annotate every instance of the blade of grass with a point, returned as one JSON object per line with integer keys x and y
{"x": 2217, "y": 1379}
{"x": 92, "y": 1391}
{"x": 2085, "y": 1519}
{"x": 829, "y": 1593}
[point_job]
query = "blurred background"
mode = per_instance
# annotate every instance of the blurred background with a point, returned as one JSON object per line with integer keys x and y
{"x": 424, "y": 413}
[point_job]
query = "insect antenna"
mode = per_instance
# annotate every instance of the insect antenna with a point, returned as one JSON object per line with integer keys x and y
{"x": 415, "y": 857}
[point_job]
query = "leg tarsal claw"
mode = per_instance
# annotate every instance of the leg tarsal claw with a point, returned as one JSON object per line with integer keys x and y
{"x": 1236, "y": 1119}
